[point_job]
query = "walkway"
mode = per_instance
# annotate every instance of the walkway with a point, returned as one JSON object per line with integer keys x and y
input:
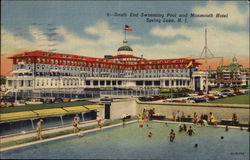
{"x": 33, "y": 133}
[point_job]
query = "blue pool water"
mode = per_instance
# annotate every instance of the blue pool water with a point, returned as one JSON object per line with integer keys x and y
{"x": 132, "y": 142}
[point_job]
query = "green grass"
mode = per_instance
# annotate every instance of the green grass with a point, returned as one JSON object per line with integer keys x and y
{"x": 220, "y": 89}
{"x": 43, "y": 106}
{"x": 241, "y": 99}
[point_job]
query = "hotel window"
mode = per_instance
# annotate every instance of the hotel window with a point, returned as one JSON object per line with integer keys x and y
{"x": 172, "y": 83}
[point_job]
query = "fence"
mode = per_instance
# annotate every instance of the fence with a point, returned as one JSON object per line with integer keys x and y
{"x": 79, "y": 93}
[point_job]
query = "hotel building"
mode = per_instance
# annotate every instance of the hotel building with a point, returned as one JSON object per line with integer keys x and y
{"x": 49, "y": 70}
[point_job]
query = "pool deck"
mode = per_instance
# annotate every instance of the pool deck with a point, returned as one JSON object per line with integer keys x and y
{"x": 90, "y": 123}
{"x": 54, "y": 130}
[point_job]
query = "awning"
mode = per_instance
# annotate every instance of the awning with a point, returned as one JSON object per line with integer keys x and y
{"x": 17, "y": 115}
{"x": 94, "y": 107}
{"x": 50, "y": 112}
{"x": 76, "y": 109}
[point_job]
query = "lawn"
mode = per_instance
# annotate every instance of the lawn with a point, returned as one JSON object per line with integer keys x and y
{"x": 241, "y": 99}
{"x": 43, "y": 106}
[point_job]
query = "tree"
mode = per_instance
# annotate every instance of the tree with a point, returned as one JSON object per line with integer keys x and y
{"x": 2, "y": 80}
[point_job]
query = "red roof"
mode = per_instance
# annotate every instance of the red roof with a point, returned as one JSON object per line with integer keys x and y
{"x": 110, "y": 60}
{"x": 124, "y": 56}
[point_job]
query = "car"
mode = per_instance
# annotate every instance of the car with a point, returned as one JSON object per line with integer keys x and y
{"x": 218, "y": 95}
{"x": 197, "y": 99}
{"x": 200, "y": 93}
{"x": 48, "y": 101}
{"x": 190, "y": 101}
{"x": 201, "y": 100}
{"x": 246, "y": 91}
{"x": 179, "y": 101}
{"x": 227, "y": 92}
{"x": 58, "y": 100}
{"x": 10, "y": 98}
{"x": 35, "y": 101}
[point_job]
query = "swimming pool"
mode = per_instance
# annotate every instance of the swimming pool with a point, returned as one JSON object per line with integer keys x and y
{"x": 132, "y": 142}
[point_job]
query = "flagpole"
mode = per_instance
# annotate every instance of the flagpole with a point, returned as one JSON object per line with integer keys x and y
{"x": 125, "y": 34}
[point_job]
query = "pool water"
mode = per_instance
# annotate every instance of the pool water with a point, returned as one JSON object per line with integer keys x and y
{"x": 132, "y": 142}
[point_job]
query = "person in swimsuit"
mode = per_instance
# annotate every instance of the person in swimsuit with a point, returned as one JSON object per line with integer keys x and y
{"x": 172, "y": 135}
{"x": 99, "y": 122}
{"x": 150, "y": 134}
{"x": 184, "y": 127}
{"x": 190, "y": 131}
{"x": 39, "y": 129}
{"x": 75, "y": 125}
{"x": 226, "y": 128}
{"x": 180, "y": 128}
{"x": 123, "y": 121}
{"x": 174, "y": 116}
{"x": 195, "y": 118}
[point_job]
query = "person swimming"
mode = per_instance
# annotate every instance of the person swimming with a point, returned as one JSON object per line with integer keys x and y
{"x": 141, "y": 125}
{"x": 190, "y": 131}
{"x": 226, "y": 128}
{"x": 181, "y": 128}
{"x": 150, "y": 134}
{"x": 196, "y": 145}
{"x": 184, "y": 127}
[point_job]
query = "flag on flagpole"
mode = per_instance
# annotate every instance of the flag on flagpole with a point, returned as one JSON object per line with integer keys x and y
{"x": 189, "y": 64}
{"x": 128, "y": 28}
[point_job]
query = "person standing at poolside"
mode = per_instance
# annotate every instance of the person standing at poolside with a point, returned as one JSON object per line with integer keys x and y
{"x": 75, "y": 125}
{"x": 172, "y": 135}
{"x": 99, "y": 122}
{"x": 39, "y": 129}
{"x": 234, "y": 119}
{"x": 178, "y": 115}
{"x": 174, "y": 116}
{"x": 123, "y": 121}
{"x": 212, "y": 119}
{"x": 195, "y": 118}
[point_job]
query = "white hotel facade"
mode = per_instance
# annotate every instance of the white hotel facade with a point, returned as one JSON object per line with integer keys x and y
{"x": 48, "y": 70}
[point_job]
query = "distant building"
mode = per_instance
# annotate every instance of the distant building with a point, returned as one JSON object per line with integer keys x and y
{"x": 232, "y": 75}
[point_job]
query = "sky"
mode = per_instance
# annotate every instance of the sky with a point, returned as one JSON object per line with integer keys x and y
{"x": 96, "y": 28}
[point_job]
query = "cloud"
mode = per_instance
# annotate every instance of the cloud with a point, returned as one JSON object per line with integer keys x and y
{"x": 235, "y": 15}
{"x": 220, "y": 42}
{"x": 12, "y": 43}
{"x": 107, "y": 41}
